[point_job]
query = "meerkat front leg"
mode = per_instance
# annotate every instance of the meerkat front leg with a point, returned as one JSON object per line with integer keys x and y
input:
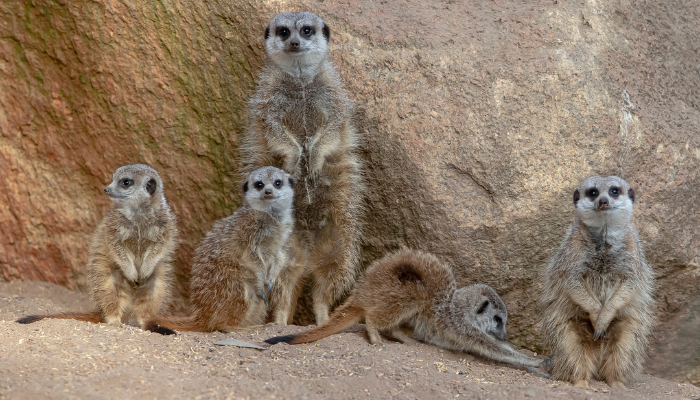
{"x": 609, "y": 310}
{"x": 372, "y": 331}
{"x": 582, "y": 297}
{"x": 125, "y": 260}
{"x": 401, "y": 336}
{"x": 151, "y": 257}
{"x": 325, "y": 141}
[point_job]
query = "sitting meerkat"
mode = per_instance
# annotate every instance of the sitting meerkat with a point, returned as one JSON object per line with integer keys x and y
{"x": 129, "y": 257}
{"x": 300, "y": 121}
{"x": 238, "y": 262}
{"x": 415, "y": 290}
{"x": 597, "y": 290}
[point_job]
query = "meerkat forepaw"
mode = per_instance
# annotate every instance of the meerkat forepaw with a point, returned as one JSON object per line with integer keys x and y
{"x": 263, "y": 297}
{"x": 597, "y": 335}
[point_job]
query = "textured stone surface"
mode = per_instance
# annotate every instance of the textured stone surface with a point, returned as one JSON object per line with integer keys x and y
{"x": 479, "y": 120}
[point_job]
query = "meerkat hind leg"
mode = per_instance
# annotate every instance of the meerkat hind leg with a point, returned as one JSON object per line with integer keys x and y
{"x": 576, "y": 358}
{"x": 114, "y": 297}
{"x": 621, "y": 359}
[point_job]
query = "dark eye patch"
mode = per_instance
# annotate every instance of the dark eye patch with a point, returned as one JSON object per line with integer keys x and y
{"x": 482, "y": 307}
{"x": 278, "y": 183}
{"x": 592, "y": 193}
{"x": 498, "y": 320}
{"x": 259, "y": 185}
{"x": 307, "y": 31}
{"x": 614, "y": 192}
{"x": 125, "y": 183}
{"x": 282, "y": 32}
{"x": 151, "y": 186}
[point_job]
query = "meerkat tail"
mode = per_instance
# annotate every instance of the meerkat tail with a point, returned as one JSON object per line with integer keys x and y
{"x": 170, "y": 325}
{"x": 95, "y": 317}
{"x": 342, "y": 318}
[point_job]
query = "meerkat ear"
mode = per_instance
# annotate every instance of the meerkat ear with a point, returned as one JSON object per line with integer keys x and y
{"x": 151, "y": 186}
{"x": 267, "y": 32}
{"x": 482, "y": 307}
{"x": 292, "y": 182}
{"x": 577, "y": 196}
{"x": 630, "y": 194}
{"x": 326, "y": 32}
{"x": 245, "y": 187}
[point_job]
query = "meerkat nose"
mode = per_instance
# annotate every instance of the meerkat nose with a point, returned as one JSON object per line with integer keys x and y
{"x": 268, "y": 191}
{"x": 603, "y": 203}
{"x": 294, "y": 44}
{"x": 107, "y": 190}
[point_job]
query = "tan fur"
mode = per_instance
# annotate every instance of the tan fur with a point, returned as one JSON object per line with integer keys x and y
{"x": 300, "y": 121}
{"x": 597, "y": 293}
{"x": 239, "y": 261}
{"x": 130, "y": 254}
{"x": 412, "y": 289}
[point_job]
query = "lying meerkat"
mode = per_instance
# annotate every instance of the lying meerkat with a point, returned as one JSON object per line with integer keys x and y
{"x": 414, "y": 289}
{"x": 130, "y": 254}
{"x": 238, "y": 262}
{"x": 300, "y": 121}
{"x": 597, "y": 292}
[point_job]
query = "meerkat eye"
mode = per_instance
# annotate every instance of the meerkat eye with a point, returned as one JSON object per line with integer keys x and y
{"x": 282, "y": 32}
{"x": 614, "y": 192}
{"x": 259, "y": 185}
{"x": 498, "y": 320}
{"x": 125, "y": 183}
{"x": 592, "y": 193}
{"x": 278, "y": 183}
{"x": 307, "y": 31}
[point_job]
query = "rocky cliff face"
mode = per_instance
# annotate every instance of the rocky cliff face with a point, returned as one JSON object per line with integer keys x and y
{"x": 479, "y": 120}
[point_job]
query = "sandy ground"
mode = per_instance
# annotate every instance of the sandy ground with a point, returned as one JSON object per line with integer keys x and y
{"x": 70, "y": 359}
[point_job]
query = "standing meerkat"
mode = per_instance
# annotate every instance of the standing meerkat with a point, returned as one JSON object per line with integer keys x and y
{"x": 300, "y": 121}
{"x": 597, "y": 291}
{"x": 130, "y": 254}
{"x": 238, "y": 262}
{"x": 415, "y": 290}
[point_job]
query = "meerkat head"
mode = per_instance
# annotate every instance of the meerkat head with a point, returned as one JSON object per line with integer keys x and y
{"x": 604, "y": 201}
{"x": 134, "y": 186}
{"x": 270, "y": 190}
{"x": 478, "y": 307}
{"x": 297, "y": 42}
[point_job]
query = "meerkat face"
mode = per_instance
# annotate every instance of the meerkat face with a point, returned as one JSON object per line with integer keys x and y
{"x": 134, "y": 184}
{"x": 296, "y": 41}
{"x": 480, "y": 307}
{"x": 601, "y": 201}
{"x": 269, "y": 189}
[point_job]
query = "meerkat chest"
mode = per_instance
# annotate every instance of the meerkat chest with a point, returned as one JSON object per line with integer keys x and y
{"x": 604, "y": 275}
{"x": 137, "y": 241}
{"x": 306, "y": 111}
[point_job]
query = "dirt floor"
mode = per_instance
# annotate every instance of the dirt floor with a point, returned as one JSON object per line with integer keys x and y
{"x": 70, "y": 359}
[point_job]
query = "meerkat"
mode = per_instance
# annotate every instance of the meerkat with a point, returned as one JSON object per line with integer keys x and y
{"x": 300, "y": 121}
{"x": 413, "y": 289}
{"x": 129, "y": 257}
{"x": 239, "y": 261}
{"x": 597, "y": 290}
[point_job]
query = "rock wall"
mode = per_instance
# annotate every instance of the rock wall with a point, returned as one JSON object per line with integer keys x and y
{"x": 479, "y": 120}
